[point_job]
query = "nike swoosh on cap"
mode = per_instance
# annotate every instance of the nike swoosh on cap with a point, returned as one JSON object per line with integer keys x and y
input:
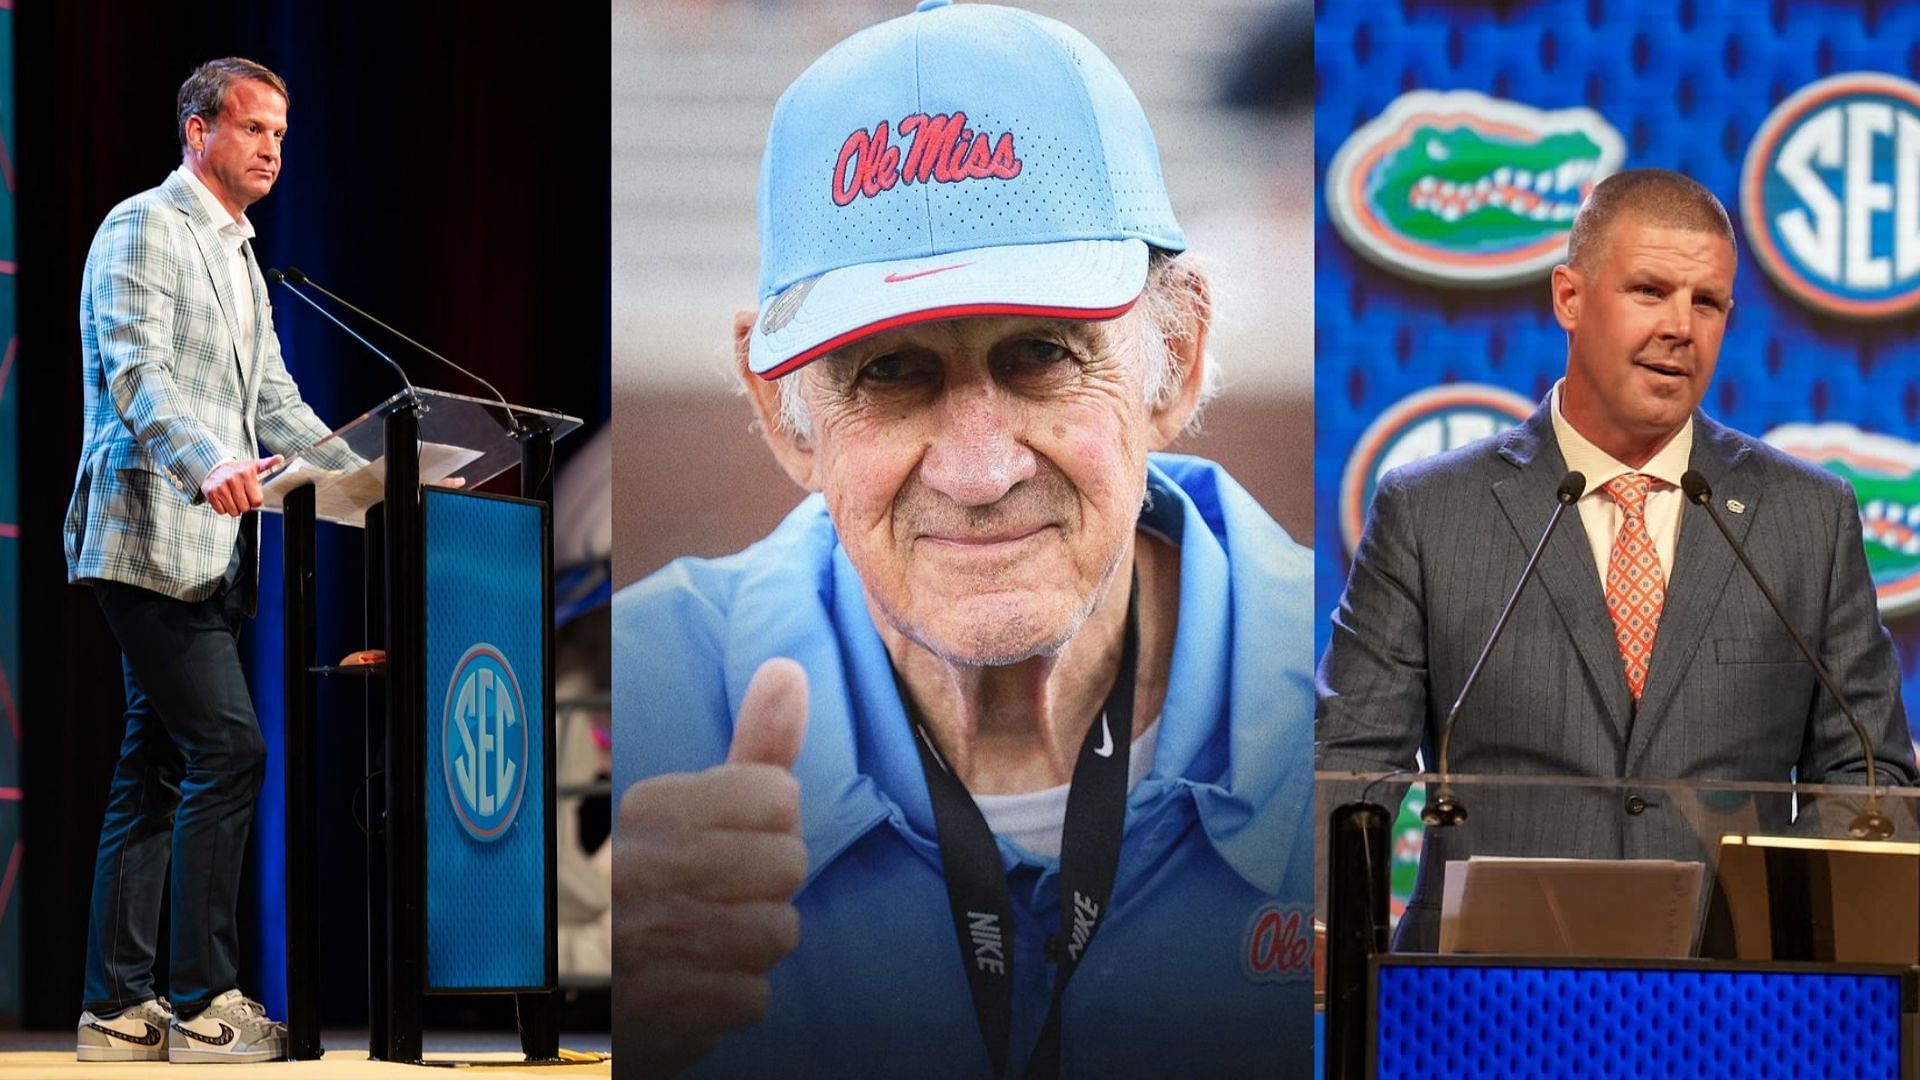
{"x": 895, "y": 279}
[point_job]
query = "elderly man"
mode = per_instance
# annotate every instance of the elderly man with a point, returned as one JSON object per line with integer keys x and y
{"x": 991, "y": 759}
{"x": 1642, "y": 650}
{"x": 183, "y": 382}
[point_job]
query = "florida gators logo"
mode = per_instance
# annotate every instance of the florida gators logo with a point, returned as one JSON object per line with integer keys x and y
{"x": 940, "y": 149}
{"x": 1829, "y": 196}
{"x": 1885, "y": 474}
{"x": 1458, "y": 188}
{"x": 1421, "y": 424}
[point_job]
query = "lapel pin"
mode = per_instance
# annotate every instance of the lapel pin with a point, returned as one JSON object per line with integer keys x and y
{"x": 1735, "y": 506}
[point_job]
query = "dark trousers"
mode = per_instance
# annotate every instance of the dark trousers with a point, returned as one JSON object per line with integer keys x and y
{"x": 191, "y": 763}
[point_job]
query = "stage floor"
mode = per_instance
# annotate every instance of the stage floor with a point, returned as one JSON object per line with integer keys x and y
{"x": 49, "y": 1054}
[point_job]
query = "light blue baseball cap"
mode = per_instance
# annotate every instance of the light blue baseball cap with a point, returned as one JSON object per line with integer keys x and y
{"x": 964, "y": 160}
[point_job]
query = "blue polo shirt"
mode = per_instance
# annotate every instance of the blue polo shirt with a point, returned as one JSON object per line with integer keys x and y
{"x": 1199, "y": 967}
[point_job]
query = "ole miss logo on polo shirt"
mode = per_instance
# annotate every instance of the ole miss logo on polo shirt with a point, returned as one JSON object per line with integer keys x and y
{"x": 939, "y": 149}
{"x": 1278, "y": 944}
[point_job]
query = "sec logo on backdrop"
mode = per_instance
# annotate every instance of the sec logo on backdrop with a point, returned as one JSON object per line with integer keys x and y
{"x": 1419, "y": 425}
{"x": 1830, "y": 195}
{"x": 1458, "y": 188}
{"x": 483, "y": 747}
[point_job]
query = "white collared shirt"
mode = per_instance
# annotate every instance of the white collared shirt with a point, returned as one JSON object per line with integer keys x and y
{"x": 1601, "y": 516}
{"x": 234, "y": 234}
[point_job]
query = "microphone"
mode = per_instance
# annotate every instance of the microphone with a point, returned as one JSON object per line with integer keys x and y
{"x": 289, "y": 280}
{"x": 1870, "y": 823}
{"x": 1446, "y": 810}
{"x": 299, "y": 277}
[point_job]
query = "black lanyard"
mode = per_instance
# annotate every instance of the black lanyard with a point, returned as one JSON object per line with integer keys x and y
{"x": 1089, "y": 857}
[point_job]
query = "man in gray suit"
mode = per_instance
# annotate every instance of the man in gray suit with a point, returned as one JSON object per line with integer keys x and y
{"x": 1642, "y": 650}
{"x": 183, "y": 383}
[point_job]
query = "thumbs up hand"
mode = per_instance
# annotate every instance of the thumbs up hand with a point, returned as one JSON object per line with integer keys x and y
{"x": 772, "y": 720}
{"x": 705, "y": 868}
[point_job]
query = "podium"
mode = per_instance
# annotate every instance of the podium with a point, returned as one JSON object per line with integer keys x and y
{"x": 460, "y": 860}
{"x": 1634, "y": 927}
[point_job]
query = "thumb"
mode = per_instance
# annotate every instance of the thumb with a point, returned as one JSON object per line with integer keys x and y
{"x": 773, "y": 716}
{"x": 267, "y": 464}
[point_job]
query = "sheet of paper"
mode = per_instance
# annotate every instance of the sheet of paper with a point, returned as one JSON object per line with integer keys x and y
{"x": 345, "y": 496}
{"x": 1453, "y": 885}
{"x": 273, "y": 492}
{"x": 1571, "y": 907}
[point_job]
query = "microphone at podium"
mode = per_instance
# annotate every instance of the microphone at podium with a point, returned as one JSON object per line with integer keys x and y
{"x": 1446, "y": 809}
{"x": 293, "y": 277}
{"x": 1870, "y": 823}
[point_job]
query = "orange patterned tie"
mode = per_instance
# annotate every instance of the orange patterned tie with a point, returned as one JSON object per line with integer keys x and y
{"x": 1636, "y": 589}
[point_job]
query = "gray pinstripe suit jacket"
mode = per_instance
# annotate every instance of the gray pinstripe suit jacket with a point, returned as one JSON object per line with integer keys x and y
{"x": 1727, "y": 695}
{"x": 166, "y": 397}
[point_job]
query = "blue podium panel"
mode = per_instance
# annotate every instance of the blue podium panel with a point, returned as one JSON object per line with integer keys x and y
{"x": 486, "y": 731}
{"x": 1496, "y": 1019}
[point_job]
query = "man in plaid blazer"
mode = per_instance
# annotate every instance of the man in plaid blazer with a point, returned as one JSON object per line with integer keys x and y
{"x": 184, "y": 382}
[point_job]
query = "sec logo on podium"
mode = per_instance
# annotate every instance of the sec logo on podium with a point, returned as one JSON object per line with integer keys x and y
{"x": 1830, "y": 195}
{"x": 483, "y": 737}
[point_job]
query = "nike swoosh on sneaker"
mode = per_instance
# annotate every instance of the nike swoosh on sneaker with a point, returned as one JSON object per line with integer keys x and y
{"x": 226, "y": 1035}
{"x": 151, "y": 1038}
{"x": 895, "y": 279}
{"x": 1105, "y": 749}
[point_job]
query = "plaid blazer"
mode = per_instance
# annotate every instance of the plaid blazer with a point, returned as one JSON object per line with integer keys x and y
{"x": 167, "y": 399}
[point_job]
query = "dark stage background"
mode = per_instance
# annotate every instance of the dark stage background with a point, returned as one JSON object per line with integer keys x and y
{"x": 446, "y": 167}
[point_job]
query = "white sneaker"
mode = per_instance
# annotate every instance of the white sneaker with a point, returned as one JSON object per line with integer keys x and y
{"x": 138, "y": 1034}
{"x": 233, "y": 1027}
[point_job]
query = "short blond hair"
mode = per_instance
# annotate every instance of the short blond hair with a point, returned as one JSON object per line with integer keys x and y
{"x": 1656, "y": 196}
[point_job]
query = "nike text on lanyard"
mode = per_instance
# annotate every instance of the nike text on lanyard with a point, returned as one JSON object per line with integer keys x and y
{"x": 1089, "y": 856}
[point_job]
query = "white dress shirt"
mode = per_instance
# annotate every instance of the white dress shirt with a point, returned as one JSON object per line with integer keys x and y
{"x": 1601, "y": 516}
{"x": 234, "y": 234}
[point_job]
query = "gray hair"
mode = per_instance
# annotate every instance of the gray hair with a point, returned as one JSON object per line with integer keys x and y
{"x": 1174, "y": 289}
{"x": 204, "y": 94}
